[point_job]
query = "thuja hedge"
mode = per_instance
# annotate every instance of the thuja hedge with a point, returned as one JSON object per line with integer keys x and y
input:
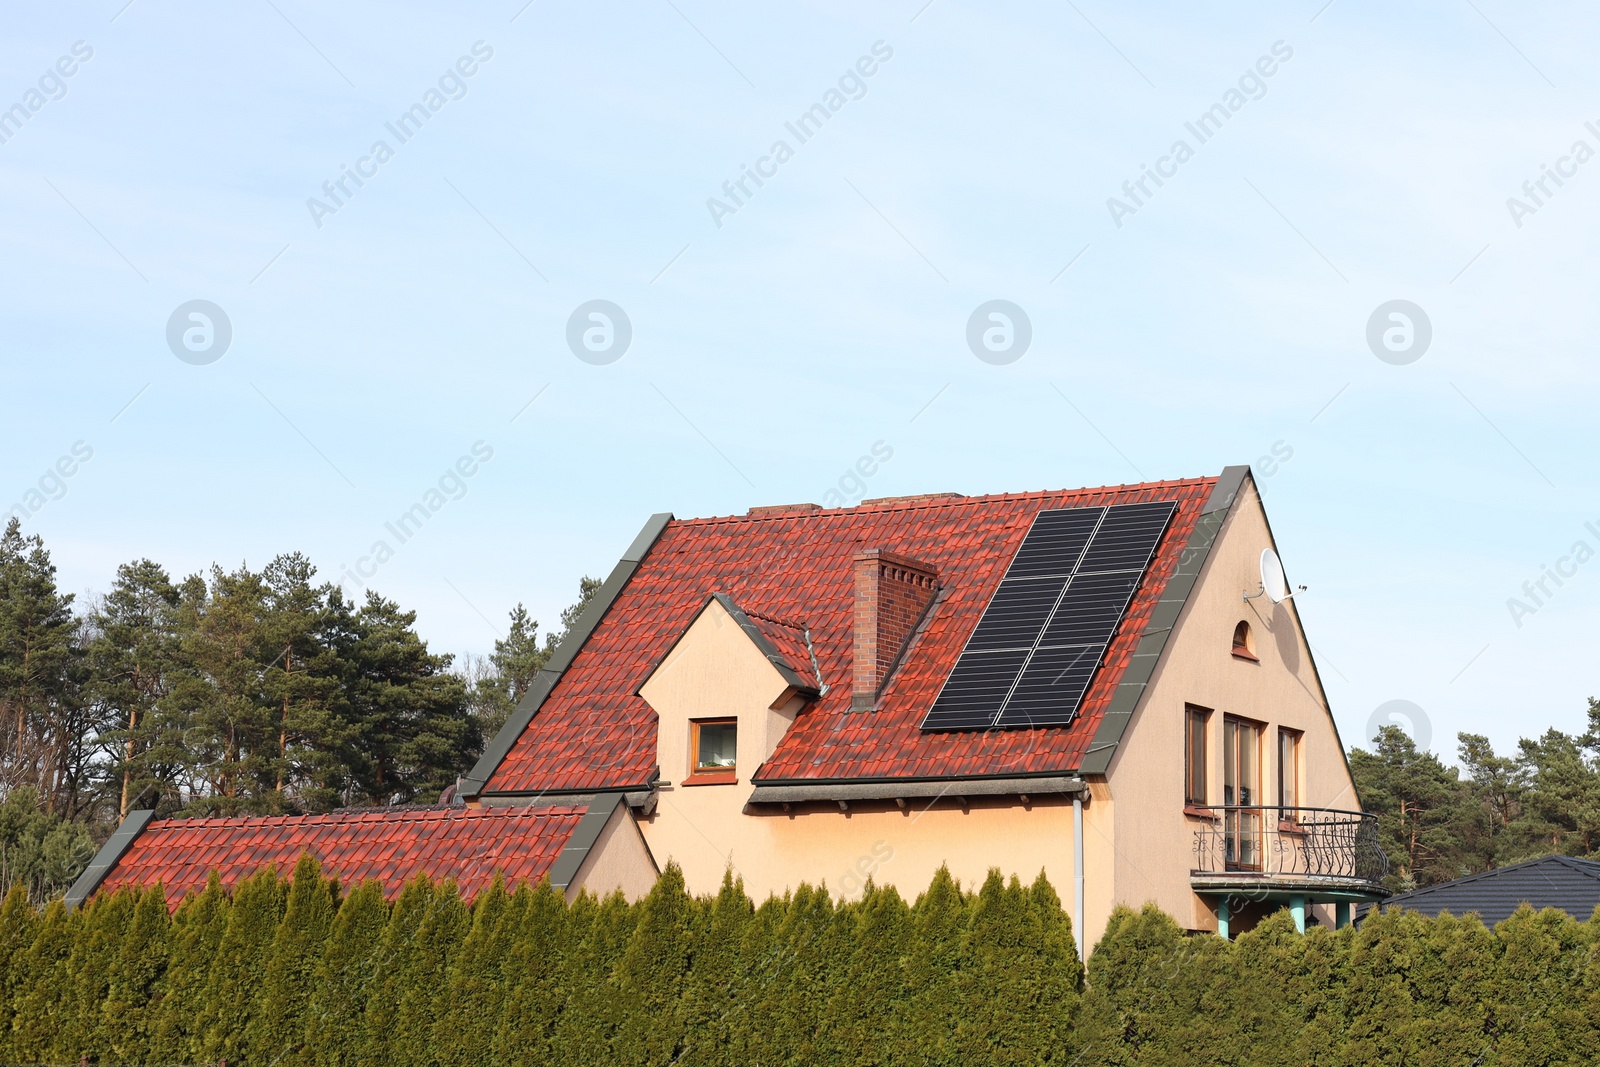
{"x": 289, "y": 972}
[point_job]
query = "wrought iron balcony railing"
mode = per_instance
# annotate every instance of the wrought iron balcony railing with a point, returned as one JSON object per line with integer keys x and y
{"x": 1299, "y": 842}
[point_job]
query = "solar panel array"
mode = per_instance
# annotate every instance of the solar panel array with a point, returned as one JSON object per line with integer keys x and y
{"x": 1034, "y": 652}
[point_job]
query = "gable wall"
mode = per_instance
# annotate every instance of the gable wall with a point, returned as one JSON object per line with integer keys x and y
{"x": 618, "y": 860}
{"x": 716, "y": 670}
{"x": 1145, "y": 779}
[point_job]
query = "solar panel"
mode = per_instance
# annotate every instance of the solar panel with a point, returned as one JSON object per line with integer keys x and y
{"x": 1034, "y": 652}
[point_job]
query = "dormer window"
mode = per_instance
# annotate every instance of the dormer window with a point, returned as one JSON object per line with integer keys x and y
{"x": 714, "y": 744}
{"x": 1244, "y": 642}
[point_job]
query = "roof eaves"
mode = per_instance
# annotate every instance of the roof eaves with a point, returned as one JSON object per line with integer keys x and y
{"x": 545, "y": 681}
{"x": 108, "y": 857}
{"x": 1153, "y": 642}
{"x": 918, "y": 788}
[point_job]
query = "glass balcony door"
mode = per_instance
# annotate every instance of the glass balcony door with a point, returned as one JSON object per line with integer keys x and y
{"x": 1241, "y": 792}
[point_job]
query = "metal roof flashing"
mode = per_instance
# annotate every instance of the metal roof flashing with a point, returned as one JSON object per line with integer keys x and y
{"x": 495, "y": 752}
{"x": 108, "y": 857}
{"x": 1153, "y": 642}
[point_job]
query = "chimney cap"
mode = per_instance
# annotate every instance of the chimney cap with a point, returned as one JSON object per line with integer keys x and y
{"x": 883, "y": 555}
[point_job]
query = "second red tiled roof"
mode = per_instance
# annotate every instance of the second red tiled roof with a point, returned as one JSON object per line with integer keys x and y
{"x": 466, "y": 844}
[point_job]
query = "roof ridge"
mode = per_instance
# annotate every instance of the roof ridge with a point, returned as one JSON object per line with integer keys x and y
{"x": 923, "y": 501}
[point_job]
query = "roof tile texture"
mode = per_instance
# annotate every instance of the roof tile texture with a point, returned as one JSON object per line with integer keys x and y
{"x": 467, "y": 844}
{"x": 594, "y": 731}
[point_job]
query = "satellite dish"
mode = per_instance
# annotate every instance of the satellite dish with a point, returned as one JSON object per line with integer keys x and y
{"x": 1273, "y": 583}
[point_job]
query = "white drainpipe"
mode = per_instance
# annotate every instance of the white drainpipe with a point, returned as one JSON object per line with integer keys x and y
{"x": 1077, "y": 873}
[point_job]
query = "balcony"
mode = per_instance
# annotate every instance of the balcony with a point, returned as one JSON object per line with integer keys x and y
{"x": 1301, "y": 856}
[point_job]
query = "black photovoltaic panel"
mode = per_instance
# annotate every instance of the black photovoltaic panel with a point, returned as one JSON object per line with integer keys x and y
{"x": 967, "y": 701}
{"x": 1054, "y": 543}
{"x": 1055, "y": 678}
{"x": 1016, "y": 615}
{"x": 1091, "y": 609}
{"x": 1034, "y": 652}
{"x": 1126, "y": 537}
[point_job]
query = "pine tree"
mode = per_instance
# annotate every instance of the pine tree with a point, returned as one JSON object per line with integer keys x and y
{"x": 474, "y": 993}
{"x": 277, "y": 1030}
{"x": 344, "y": 978}
{"x": 41, "y": 731}
{"x": 18, "y": 927}
{"x": 133, "y": 993}
{"x": 233, "y": 988}
{"x": 133, "y": 661}
{"x": 196, "y": 937}
{"x": 540, "y": 967}
{"x": 413, "y": 734}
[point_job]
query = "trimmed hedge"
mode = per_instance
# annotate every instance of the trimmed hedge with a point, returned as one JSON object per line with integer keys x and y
{"x": 289, "y": 973}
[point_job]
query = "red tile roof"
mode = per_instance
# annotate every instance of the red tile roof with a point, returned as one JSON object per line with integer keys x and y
{"x": 594, "y": 731}
{"x": 467, "y": 844}
{"x": 789, "y": 639}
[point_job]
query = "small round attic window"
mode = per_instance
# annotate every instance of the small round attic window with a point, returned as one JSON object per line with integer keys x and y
{"x": 1244, "y": 642}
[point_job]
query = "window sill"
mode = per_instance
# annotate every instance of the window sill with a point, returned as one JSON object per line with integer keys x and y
{"x": 1246, "y": 655}
{"x": 712, "y": 778}
{"x": 1198, "y": 813}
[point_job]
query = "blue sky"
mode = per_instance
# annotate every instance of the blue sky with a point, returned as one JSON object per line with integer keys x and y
{"x": 1227, "y": 316}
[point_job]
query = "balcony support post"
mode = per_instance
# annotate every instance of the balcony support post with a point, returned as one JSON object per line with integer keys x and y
{"x": 1341, "y": 914}
{"x": 1222, "y": 918}
{"x": 1297, "y": 908}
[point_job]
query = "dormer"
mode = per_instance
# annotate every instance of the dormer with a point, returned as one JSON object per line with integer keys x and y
{"x": 727, "y": 691}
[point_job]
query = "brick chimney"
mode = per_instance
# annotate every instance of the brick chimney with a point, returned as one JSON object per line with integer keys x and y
{"x": 892, "y": 595}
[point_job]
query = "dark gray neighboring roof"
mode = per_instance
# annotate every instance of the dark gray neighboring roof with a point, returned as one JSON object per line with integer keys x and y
{"x": 1130, "y": 689}
{"x": 473, "y": 782}
{"x": 1573, "y": 885}
{"x": 109, "y": 855}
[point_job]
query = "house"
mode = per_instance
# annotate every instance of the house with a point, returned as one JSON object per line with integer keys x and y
{"x": 1085, "y": 682}
{"x": 1572, "y": 885}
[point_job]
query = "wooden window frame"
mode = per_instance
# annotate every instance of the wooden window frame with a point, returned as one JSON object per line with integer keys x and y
{"x": 1291, "y": 773}
{"x": 711, "y": 775}
{"x": 1244, "y": 649}
{"x": 1242, "y": 822}
{"x": 1196, "y": 727}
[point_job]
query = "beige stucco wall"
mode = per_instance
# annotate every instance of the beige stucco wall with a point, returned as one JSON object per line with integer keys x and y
{"x": 1146, "y": 776}
{"x": 618, "y": 859}
{"x": 715, "y": 670}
